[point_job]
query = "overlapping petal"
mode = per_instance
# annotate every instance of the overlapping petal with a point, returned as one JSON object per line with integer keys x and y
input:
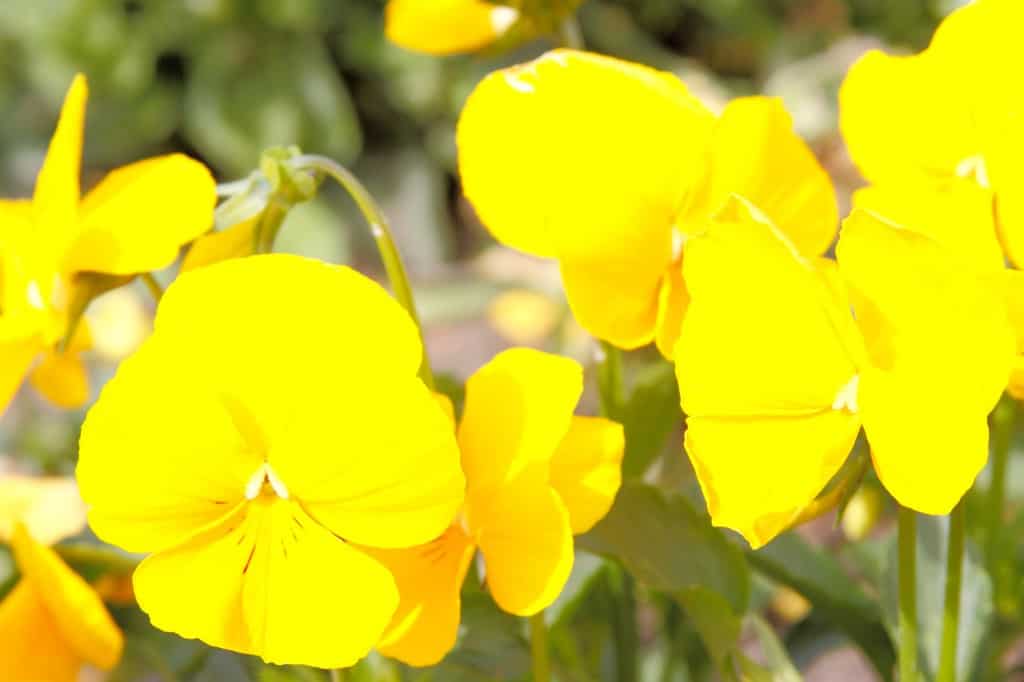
{"x": 55, "y": 201}
{"x": 444, "y": 27}
{"x": 586, "y": 470}
{"x": 33, "y": 648}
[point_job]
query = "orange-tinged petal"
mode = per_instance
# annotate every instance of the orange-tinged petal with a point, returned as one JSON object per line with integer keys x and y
{"x": 31, "y": 644}
{"x": 526, "y": 541}
{"x": 55, "y": 201}
{"x": 50, "y": 508}
{"x": 62, "y": 378}
{"x": 589, "y": 160}
{"x": 429, "y": 579}
{"x": 757, "y": 154}
{"x": 673, "y": 300}
{"x": 519, "y": 407}
{"x": 443, "y": 27}
{"x": 236, "y": 241}
{"x": 586, "y": 470}
{"x": 73, "y": 605}
{"x": 139, "y": 216}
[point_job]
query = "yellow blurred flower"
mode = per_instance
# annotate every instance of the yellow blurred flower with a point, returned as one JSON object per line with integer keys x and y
{"x": 777, "y": 377}
{"x": 609, "y": 167}
{"x": 50, "y": 508}
{"x": 443, "y": 27}
{"x": 134, "y": 221}
{"x": 272, "y": 422}
{"x": 535, "y": 476}
{"x": 524, "y": 317}
{"x": 119, "y": 323}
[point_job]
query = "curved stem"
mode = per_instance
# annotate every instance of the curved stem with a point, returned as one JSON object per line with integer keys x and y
{"x": 951, "y": 610}
{"x": 539, "y": 648}
{"x": 908, "y": 595}
{"x": 609, "y": 379}
{"x": 381, "y": 232}
{"x": 155, "y": 290}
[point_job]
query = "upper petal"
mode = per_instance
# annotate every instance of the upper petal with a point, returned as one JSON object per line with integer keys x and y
{"x": 757, "y": 154}
{"x": 50, "y": 508}
{"x": 55, "y": 201}
{"x": 443, "y": 27}
{"x": 140, "y": 215}
{"x": 586, "y": 470}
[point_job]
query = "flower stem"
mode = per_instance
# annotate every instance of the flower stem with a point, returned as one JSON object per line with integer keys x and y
{"x": 381, "y": 232}
{"x": 1004, "y": 423}
{"x": 539, "y": 648}
{"x": 155, "y": 290}
{"x": 951, "y": 611}
{"x": 908, "y": 595}
{"x": 609, "y": 380}
{"x": 569, "y": 33}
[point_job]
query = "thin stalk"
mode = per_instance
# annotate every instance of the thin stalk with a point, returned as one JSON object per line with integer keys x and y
{"x": 1004, "y": 424}
{"x": 624, "y": 626}
{"x": 569, "y": 33}
{"x": 539, "y": 648}
{"x": 908, "y": 595}
{"x": 155, "y": 290}
{"x": 951, "y": 610}
{"x": 270, "y": 223}
{"x": 97, "y": 555}
{"x": 381, "y": 232}
{"x": 610, "y": 384}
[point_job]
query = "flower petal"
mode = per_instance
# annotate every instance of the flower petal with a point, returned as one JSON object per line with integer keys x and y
{"x": 429, "y": 579}
{"x": 17, "y": 352}
{"x": 586, "y": 470}
{"x": 55, "y": 201}
{"x": 758, "y": 473}
{"x": 519, "y": 407}
{"x": 589, "y": 160}
{"x": 443, "y": 27}
{"x": 237, "y": 241}
{"x": 50, "y": 508}
{"x": 757, "y": 154}
{"x": 73, "y": 605}
{"x": 140, "y": 215}
{"x": 62, "y": 378}
{"x": 1015, "y": 300}
{"x": 33, "y": 647}
{"x": 673, "y": 300}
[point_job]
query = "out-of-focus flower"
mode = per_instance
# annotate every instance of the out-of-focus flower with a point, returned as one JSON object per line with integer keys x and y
{"x": 443, "y": 27}
{"x": 119, "y": 324}
{"x": 308, "y": 432}
{"x": 58, "y": 250}
{"x": 862, "y": 513}
{"x": 535, "y": 476}
{"x": 609, "y": 167}
{"x": 777, "y": 377}
{"x": 50, "y": 508}
{"x": 524, "y": 317}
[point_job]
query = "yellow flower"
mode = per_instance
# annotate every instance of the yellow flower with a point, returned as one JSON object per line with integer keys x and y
{"x": 947, "y": 113}
{"x": 50, "y": 508}
{"x": 777, "y": 377}
{"x": 609, "y": 167}
{"x": 273, "y": 420}
{"x": 133, "y": 221}
{"x": 52, "y": 623}
{"x": 443, "y": 27}
{"x": 535, "y": 476}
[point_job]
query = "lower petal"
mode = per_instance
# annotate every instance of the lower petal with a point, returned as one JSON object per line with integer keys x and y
{"x": 33, "y": 648}
{"x": 62, "y": 379}
{"x": 586, "y": 470}
{"x": 16, "y": 356}
{"x": 616, "y": 301}
{"x": 673, "y": 300}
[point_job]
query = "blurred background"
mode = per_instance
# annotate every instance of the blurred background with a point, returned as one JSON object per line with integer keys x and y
{"x": 222, "y": 80}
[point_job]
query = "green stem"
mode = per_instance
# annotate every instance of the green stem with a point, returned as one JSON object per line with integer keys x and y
{"x": 610, "y": 384}
{"x": 539, "y": 648}
{"x": 1004, "y": 424}
{"x": 570, "y": 35}
{"x": 97, "y": 555}
{"x": 155, "y": 290}
{"x": 908, "y": 595}
{"x": 951, "y": 611}
{"x": 624, "y": 626}
{"x": 381, "y": 232}
{"x": 270, "y": 224}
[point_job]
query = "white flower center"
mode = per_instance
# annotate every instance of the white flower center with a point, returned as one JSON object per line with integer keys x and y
{"x": 846, "y": 399}
{"x": 265, "y": 474}
{"x": 974, "y": 168}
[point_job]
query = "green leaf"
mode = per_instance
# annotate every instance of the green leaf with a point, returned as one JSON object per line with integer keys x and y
{"x": 649, "y": 416}
{"x": 838, "y": 598}
{"x": 976, "y": 602}
{"x": 778, "y": 664}
{"x": 667, "y": 545}
{"x": 713, "y": 618}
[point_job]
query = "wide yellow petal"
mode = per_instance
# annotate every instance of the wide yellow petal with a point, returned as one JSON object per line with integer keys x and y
{"x": 73, "y": 605}
{"x": 764, "y": 335}
{"x": 236, "y": 241}
{"x": 942, "y": 346}
{"x": 673, "y": 300}
{"x": 62, "y": 378}
{"x": 518, "y": 408}
{"x": 589, "y": 160}
{"x": 758, "y": 473}
{"x": 526, "y": 541}
{"x": 586, "y": 470}
{"x": 757, "y": 154}
{"x": 50, "y": 508}
{"x": 55, "y": 201}
{"x": 31, "y": 644}
{"x": 443, "y": 27}
{"x": 139, "y": 216}
{"x": 429, "y": 578}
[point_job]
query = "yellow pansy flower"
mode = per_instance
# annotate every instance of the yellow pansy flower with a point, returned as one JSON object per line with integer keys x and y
{"x": 133, "y": 221}
{"x": 271, "y": 425}
{"x": 777, "y": 377}
{"x": 535, "y": 476}
{"x": 609, "y": 166}
{"x": 444, "y": 27}
{"x": 947, "y": 113}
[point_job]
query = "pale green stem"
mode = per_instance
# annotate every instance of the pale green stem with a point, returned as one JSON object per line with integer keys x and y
{"x": 381, "y": 232}
{"x": 569, "y": 33}
{"x": 951, "y": 611}
{"x": 539, "y": 648}
{"x": 610, "y": 384}
{"x": 907, "y": 533}
{"x": 1004, "y": 424}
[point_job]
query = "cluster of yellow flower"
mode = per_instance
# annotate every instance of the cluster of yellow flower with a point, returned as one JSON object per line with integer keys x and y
{"x": 273, "y": 451}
